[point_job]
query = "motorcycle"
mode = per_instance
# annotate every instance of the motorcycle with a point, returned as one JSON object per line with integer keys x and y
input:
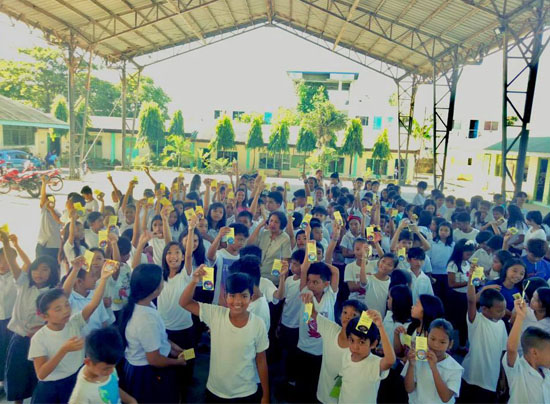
{"x": 12, "y": 180}
{"x": 55, "y": 182}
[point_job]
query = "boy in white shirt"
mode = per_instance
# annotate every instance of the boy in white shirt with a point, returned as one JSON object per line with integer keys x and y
{"x": 91, "y": 203}
{"x": 487, "y": 246}
{"x": 464, "y": 228}
{"x": 362, "y": 371}
{"x": 97, "y": 380}
{"x": 238, "y": 340}
{"x": 420, "y": 198}
{"x": 528, "y": 375}
{"x": 487, "y": 335}
{"x": 421, "y": 283}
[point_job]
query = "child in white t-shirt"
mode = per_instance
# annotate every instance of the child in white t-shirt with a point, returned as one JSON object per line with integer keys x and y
{"x": 528, "y": 375}
{"x": 362, "y": 371}
{"x": 437, "y": 378}
{"x": 95, "y": 225}
{"x": 487, "y": 335}
{"x": 238, "y": 342}
{"x": 97, "y": 380}
{"x": 56, "y": 349}
{"x": 421, "y": 283}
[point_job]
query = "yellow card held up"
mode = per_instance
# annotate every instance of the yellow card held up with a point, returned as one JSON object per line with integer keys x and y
{"x": 97, "y": 192}
{"x": 364, "y": 323}
{"x": 287, "y": 187}
{"x": 5, "y": 229}
{"x": 79, "y": 209}
{"x": 102, "y": 238}
{"x": 199, "y": 211}
{"x": 370, "y": 233}
{"x": 290, "y": 206}
{"x": 308, "y": 310}
{"x": 421, "y": 347}
{"x": 113, "y": 220}
{"x": 150, "y": 201}
{"x": 407, "y": 340}
{"x": 473, "y": 261}
{"x": 516, "y": 296}
{"x": 89, "y": 257}
{"x": 513, "y": 230}
{"x": 165, "y": 202}
{"x": 162, "y": 187}
{"x": 311, "y": 251}
{"x": 231, "y": 195}
{"x": 110, "y": 266}
{"x": 307, "y": 218}
{"x": 230, "y": 237}
{"x": 187, "y": 354}
{"x": 394, "y": 212}
{"x": 478, "y": 276}
{"x": 402, "y": 254}
{"x": 277, "y": 267}
{"x": 189, "y": 213}
{"x": 208, "y": 279}
{"x": 309, "y": 201}
{"x": 338, "y": 218}
{"x": 214, "y": 184}
{"x": 135, "y": 179}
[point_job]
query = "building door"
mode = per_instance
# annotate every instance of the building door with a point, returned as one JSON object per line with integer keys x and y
{"x": 54, "y": 146}
{"x": 541, "y": 179}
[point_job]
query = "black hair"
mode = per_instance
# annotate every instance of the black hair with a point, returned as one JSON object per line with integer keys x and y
{"x": 128, "y": 234}
{"x": 405, "y": 235}
{"x": 463, "y": 217}
{"x": 372, "y": 335}
{"x": 297, "y": 218}
{"x": 401, "y": 303}
{"x": 75, "y": 197}
{"x": 86, "y": 190}
{"x": 400, "y": 277}
{"x": 238, "y": 283}
{"x": 282, "y": 219}
{"x": 425, "y": 218}
{"x": 534, "y": 283}
{"x": 416, "y": 253}
{"x": 335, "y": 192}
{"x": 194, "y": 196}
{"x": 401, "y": 202}
{"x": 221, "y": 223}
{"x": 76, "y": 243}
{"x": 53, "y": 280}
{"x": 507, "y": 265}
{"x": 489, "y": 297}
{"x": 499, "y": 209}
{"x": 544, "y": 297}
{"x": 165, "y": 268}
{"x": 200, "y": 252}
{"x": 515, "y": 216}
{"x": 495, "y": 243}
{"x": 251, "y": 250}
{"x": 361, "y": 240}
{"x": 239, "y": 228}
{"x": 124, "y": 245}
{"x": 433, "y": 309}
{"x": 145, "y": 279}
{"x": 461, "y": 247}
{"x": 422, "y": 185}
{"x": 195, "y": 183}
{"x": 534, "y": 216}
{"x": 105, "y": 345}
{"x": 319, "y": 209}
{"x": 335, "y": 175}
{"x": 246, "y": 213}
{"x": 534, "y": 337}
{"x": 321, "y": 269}
{"x": 300, "y": 193}
{"x": 276, "y": 196}
{"x": 153, "y": 220}
{"x": 483, "y": 236}
{"x": 357, "y": 305}
{"x": 537, "y": 247}
{"x": 92, "y": 217}
{"x": 247, "y": 264}
{"x": 44, "y": 300}
{"x": 444, "y": 325}
{"x": 298, "y": 256}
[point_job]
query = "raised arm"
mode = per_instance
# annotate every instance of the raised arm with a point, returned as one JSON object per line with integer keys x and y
{"x": 72, "y": 226}
{"x": 43, "y": 192}
{"x": 211, "y": 255}
{"x": 206, "y": 197}
{"x": 395, "y": 239}
{"x": 101, "y": 199}
{"x": 70, "y": 280}
{"x": 253, "y": 239}
{"x": 113, "y": 245}
{"x": 186, "y": 299}
{"x": 165, "y": 214}
{"x": 389, "y": 356}
{"x": 336, "y": 229}
{"x": 279, "y": 294}
{"x": 137, "y": 228}
{"x": 143, "y": 240}
{"x": 290, "y": 230}
{"x": 20, "y": 252}
{"x": 334, "y": 277}
{"x": 188, "y": 261}
{"x": 258, "y": 187}
{"x": 10, "y": 255}
{"x": 471, "y": 295}
{"x": 515, "y": 333}
{"x": 146, "y": 169}
{"x": 127, "y": 195}
{"x": 115, "y": 189}
{"x": 97, "y": 297}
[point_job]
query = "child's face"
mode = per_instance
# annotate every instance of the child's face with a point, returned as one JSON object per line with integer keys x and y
{"x": 444, "y": 232}
{"x": 202, "y": 226}
{"x": 174, "y": 256}
{"x": 99, "y": 369}
{"x": 240, "y": 196}
{"x": 348, "y": 313}
{"x": 195, "y": 241}
{"x": 541, "y": 355}
{"x": 438, "y": 341}
{"x": 59, "y": 311}
{"x": 535, "y": 302}
{"x": 97, "y": 263}
{"x": 439, "y": 202}
{"x": 230, "y": 209}
{"x": 239, "y": 243}
{"x": 89, "y": 281}
{"x": 87, "y": 197}
{"x": 238, "y": 302}
{"x": 271, "y": 205}
{"x": 295, "y": 267}
{"x": 360, "y": 348}
{"x": 385, "y": 266}
{"x": 173, "y": 218}
{"x": 216, "y": 214}
{"x": 463, "y": 226}
{"x": 244, "y": 220}
{"x": 497, "y": 265}
{"x": 179, "y": 208}
{"x": 431, "y": 209}
{"x": 41, "y": 275}
{"x": 449, "y": 204}
{"x": 420, "y": 190}
{"x": 320, "y": 216}
{"x": 406, "y": 244}
{"x": 354, "y": 227}
{"x": 359, "y": 250}
{"x": 319, "y": 255}
{"x": 156, "y": 227}
{"x": 496, "y": 311}
{"x": 515, "y": 273}
{"x": 415, "y": 263}
{"x": 532, "y": 258}
{"x": 496, "y": 214}
{"x": 300, "y": 202}
{"x": 466, "y": 255}
{"x": 130, "y": 214}
{"x": 301, "y": 240}
{"x": 417, "y": 311}
{"x": 316, "y": 284}
{"x": 317, "y": 233}
{"x": 319, "y": 195}
{"x": 97, "y": 225}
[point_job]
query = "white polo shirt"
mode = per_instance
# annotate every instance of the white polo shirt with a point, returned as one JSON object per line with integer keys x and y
{"x": 175, "y": 317}
{"x": 293, "y": 304}
{"x": 8, "y": 294}
{"x": 360, "y": 380}
{"x": 526, "y": 384}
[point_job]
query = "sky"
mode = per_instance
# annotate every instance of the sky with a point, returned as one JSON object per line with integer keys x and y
{"x": 248, "y": 72}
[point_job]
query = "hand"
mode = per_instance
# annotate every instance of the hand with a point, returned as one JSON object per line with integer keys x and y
{"x": 105, "y": 273}
{"x": 411, "y": 357}
{"x": 224, "y": 231}
{"x": 193, "y": 222}
{"x": 145, "y": 237}
{"x": 4, "y": 238}
{"x": 78, "y": 263}
{"x": 181, "y": 361}
{"x": 112, "y": 238}
{"x": 44, "y": 179}
{"x": 175, "y": 350}
{"x": 165, "y": 212}
{"x": 13, "y": 239}
{"x": 520, "y": 308}
{"x": 414, "y": 228}
{"x": 284, "y": 269}
{"x": 146, "y": 169}
{"x": 432, "y": 359}
{"x": 403, "y": 223}
{"x": 376, "y": 317}
{"x": 107, "y": 302}
{"x": 400, "y": 330}
{"x": 141, "y": 203}
{"x": 100, "y": 196}
{"x": 307, "y": 297}
{"x": 73, "y": 344}
{"x": 307, "y": 230}
{"x": 265, "y": 399}
{"x": 199, "y": 274}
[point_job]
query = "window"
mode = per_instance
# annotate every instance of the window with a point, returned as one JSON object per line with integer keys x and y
{"x": 389, "y": 120}
{"x": 273, "y": 161}
{"x": 297, "y": 160}
{"x": 377, "y": 123}
{"x": 217, "y": 113}
{"x": 237, "y": 114}
{"x": 378, "y": 167}
{"x": 336, "y": 166}
{"x": 364, "y": 120}
{"x": 474, "y": 126}
{"x": 470, "y": 160}
{"x": 229, "y": 155}
{"x": 490, "y": 126}
{"x": 18, "y": 135}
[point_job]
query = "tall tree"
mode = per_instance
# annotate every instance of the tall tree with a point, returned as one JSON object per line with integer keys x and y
{"x": 151, "y": 126}
{"x": 148, "y": 91}
{"x": 353, "y": 141}
{"x": 61, "y": 112}
{"x": 306, "y": 143}
{"x": 381, "y": 148}
{"x": 177, "y": 150}
{"x": 176, "y": 124}
{"x": 255, "y": 137}
{"x": 278, "y": 141}
{"x": 225, "y": 135}
{"x": 306, "y": 93}
{"x": 324, "y": 120}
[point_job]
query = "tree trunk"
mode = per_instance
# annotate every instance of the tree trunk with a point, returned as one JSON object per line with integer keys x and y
{"x": 254, "y": 159}
{"x": 304, "y": 169}
{"x": 351, "y": 163}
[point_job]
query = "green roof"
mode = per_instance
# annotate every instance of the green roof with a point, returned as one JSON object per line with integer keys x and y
{"x": 535, "y": 145}
{"x": 14, "y": 113}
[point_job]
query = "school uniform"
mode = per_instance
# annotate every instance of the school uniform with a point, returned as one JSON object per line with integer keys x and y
{"x": 459, "y": 235}
{"x": 58, "y": 385}
{"x": 331, "y": 363}
{"x": 540, "y": 269}
{"x": 390, "y": 325}
{"x": 507, "y": 293}
{"x": 119, "y": 289}
{"x": 8, "y": 294}
{"x": 158, "y": 245}
{"x": 70, "y": 252}
{"x": 260, "y": 308}
{"x": 233, "y": 373}
{"x": 457, "y": 302}
{"x": 419, "y": 200}
{"x": 484, "y": 259}
{"x": 361, "y": 380}
{"x": 267, "y": 287}
{"x": 439, "y": 254}
{"x": 99, "y": 318}
{"x": 421, "y": 285}
{"x": 145, "y": 332}
{"x": 526, "y": 384}
{"x": 425, "y": 391}
{"x": 86, "y": 392}
{"x": 49, "y": 240}
{"x": 92, "y": 206}
{"x": 482, "y": 362}
{"x": 91, "y": 238}
{"x": 347, "y": 242}
{"x": 20, "y": 377}
{"x": 289, "y": 327}
{"x": 222, "y": 261}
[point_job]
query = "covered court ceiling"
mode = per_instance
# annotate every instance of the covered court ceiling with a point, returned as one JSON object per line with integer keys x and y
{"x": 409, "y": 34}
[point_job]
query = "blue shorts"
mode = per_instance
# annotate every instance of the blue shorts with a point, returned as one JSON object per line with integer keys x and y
{"x": 148, "y": 384}
{"x": 5, "y": 336}
{"x": 20, "y": 378}
{"x": 57, "y": 391}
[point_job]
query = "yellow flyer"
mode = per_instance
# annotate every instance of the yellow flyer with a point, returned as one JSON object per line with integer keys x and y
{"x": 135, "y": 179}
{"x": 407, "y": 340}
{"x": 421, "y": 347}
{"x": 229, "y": 238}
{"x": 231, "y": 195}
{"x": 338, "y": 218}
{"x": 199, "y": 211}
{"x": 394, "y": 212}
{"x": 311, "y": 251}
{"x": 165, "y": 202}
{"x": 277, "y": 267}
{"x": 402, "y": 254}
{"x": 308, "y": 310}
{"x": 187, "y": 354}
{"x": 478, "y": 276}
{"x": 516, "y": 296}
{"x": 103, "y": 238}
{"x": 306, "y": 219}
{"x": 5, "y": 229}
{"x": 150, "y": 201}
{"x": 89, "y": 257}
{"x": 97, "y": 192}
{"x": 189, "y": 213}
{"x": 370, "y": 233}
{"x": 162, "y": 187}
{"x": 290, "y": 206}
{"x": 79, "y": 209}
{"x": 287, "y": 187}
{"x": 364, "y": 323}
{"x": 213, "y": 184}
{"x": 110, "y": 266}
{"x": 309, "y": 201}
{"x": 113, "y": 221}
{"x": 208, "y": 279}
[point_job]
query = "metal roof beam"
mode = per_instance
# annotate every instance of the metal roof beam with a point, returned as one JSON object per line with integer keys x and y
{"x": 145, "y": 18}
{"x": 189, "y": 20}
{"x": 269, "y": 7}
{"x": 230, "y": 12}
{"x": 350, "y": 14}
{"x": 401, "y": 14}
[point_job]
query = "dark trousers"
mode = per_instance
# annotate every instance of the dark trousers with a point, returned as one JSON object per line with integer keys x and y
{"x": 20, "y": 377}
{"x": 470, "y": 393}
{"x": 58, "y": 391}
{"x": 186, "y": 340}
{"x": 211, "y": 398}
{"x": 5, "y": 336}
{"x": 440, "y": 286}
{"x": 288, "y": 338}
{"x": 148, "y": 384}
{"x": 458, "y": 305}
{"x": 50, "y": 252}
{"x": 307, "y": 378}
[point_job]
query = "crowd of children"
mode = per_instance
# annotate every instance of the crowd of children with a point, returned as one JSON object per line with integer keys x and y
{"x": 327, "y": 294}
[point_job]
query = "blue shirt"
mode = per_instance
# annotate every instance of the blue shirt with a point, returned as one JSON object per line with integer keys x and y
{"x": 439, "y": 256}
{"x": 507, "y": 293}
{"x": 540, "y": 269}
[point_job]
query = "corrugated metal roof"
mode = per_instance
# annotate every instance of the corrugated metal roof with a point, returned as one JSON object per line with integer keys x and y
{"x": 14, "y": 113}
{"x": 535, "y": 145}
{"x": 408, "y": 34}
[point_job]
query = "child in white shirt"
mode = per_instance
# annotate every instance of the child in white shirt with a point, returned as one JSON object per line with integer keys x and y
{"x": 362, "y": 371}
{"x": 95, "y": 225}
{"x": 238, "y": 340}
{"x": 421, "y": 283}
{"x": 437, "y": 378}
{"x": 97, "y": 380}
{"x": 56, "y": 349}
